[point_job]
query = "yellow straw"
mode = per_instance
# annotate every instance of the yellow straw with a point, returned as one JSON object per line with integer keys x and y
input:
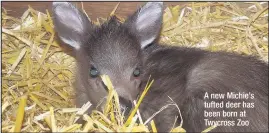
{"x": 20, "y": 114}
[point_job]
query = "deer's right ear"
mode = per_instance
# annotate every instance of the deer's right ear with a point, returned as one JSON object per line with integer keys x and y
{"x": 146, "y": 22}
{"x": 70, "y": 23}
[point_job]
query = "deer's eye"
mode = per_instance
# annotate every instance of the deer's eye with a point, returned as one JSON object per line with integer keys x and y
{"x": 136, "y": 72}
{"x": 93, "y": 72}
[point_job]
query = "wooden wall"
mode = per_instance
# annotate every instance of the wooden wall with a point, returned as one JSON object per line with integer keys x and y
{"x": 93, "y": 9}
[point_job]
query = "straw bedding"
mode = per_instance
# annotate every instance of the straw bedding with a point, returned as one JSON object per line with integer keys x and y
{"x": 37, "y": 76}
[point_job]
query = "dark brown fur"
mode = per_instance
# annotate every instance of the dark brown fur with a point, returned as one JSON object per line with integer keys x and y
{"x": 185, "y": 74}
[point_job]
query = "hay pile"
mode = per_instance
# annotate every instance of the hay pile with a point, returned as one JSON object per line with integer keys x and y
{"x": 219, "y": 26}
{"x": 37, "y": 76}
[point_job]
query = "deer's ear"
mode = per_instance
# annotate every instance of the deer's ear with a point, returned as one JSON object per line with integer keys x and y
{"x": 70, "y": 23}
{"x": 146, "y": 22}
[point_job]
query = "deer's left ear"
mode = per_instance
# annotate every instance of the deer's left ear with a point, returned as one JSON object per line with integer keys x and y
{"x": 71, "y": 24}
{"x": 146, "y": 22}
